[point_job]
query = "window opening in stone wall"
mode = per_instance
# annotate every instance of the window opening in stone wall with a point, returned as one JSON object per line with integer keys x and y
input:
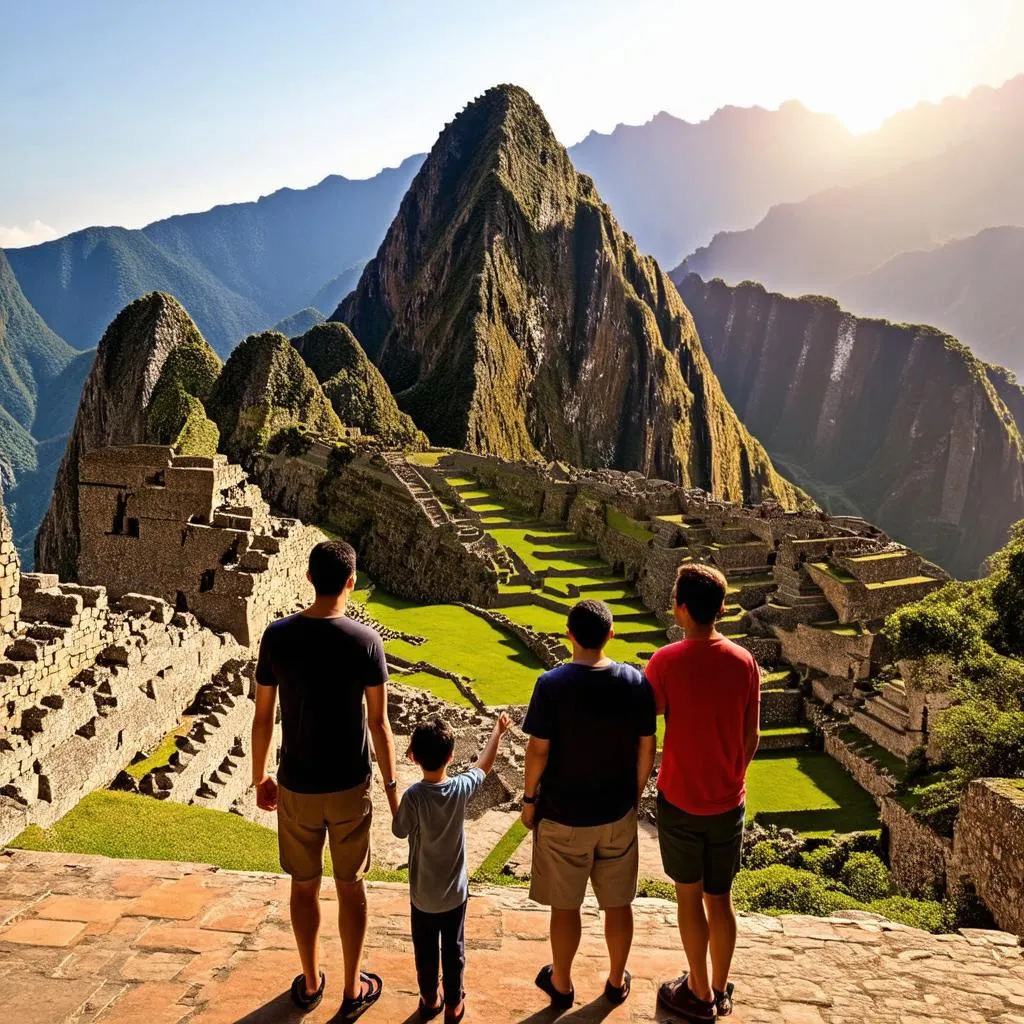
{"x": 119, "y": 514}
{"x": 205, "y": 581}
{"x": 180, "y": 602}
{"x": 133, "y": 527}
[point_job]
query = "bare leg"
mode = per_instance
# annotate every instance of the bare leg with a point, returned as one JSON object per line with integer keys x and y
{"x": 305, "y": 913}
{"x": 618, "y": 934}
{"x": 566, "y": 930}
{"x": 722, "y": 928}
{"x": 693, "y": 928}
{"x": 352, "y": 927}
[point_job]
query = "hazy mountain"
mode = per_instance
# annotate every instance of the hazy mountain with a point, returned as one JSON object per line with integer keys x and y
{"x": 972, "y": 287}
{"x": 819, "y": 244}
{"x": 894, "y": 422}
{"x": 511, "y": 315}
{"x": 674, "y": 184}
{"x": 238, "y": 268}
{"x": 298, "y": 323}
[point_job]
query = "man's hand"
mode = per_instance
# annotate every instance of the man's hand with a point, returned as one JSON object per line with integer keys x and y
{"x": 529, "y": 815}
{"x": 266, "y": 793}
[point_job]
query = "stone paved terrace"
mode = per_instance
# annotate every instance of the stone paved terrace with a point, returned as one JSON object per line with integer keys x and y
{"x": 95, "y": 941}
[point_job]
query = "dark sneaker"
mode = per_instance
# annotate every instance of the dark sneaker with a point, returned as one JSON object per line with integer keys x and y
{"x": 723, "y": 1000}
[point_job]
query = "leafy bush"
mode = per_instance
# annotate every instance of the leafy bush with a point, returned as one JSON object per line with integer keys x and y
{"x": 781, "y": 889}
{"x": 938, "y": 803}
{"x": 928, "y": 915}
{"x": 865, "y": 877}
{"x": 964, "y": 909}
{"x": 764, "y": 854}
{"x": 827, "y": 860}
{"x": 935, "y": 625}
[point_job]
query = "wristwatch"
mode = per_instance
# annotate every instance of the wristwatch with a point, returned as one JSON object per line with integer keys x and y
{"x": 529, "y": 799}
{"x": 393, "y": 784}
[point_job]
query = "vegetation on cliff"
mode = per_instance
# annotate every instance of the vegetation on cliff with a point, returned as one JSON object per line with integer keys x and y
{"x": 176, "y": 415}
{"x": 264, "y": 388}
{"x": 975, "y": 629}
{"x": 511, "y": 315}
{"x": 354, "y": 386}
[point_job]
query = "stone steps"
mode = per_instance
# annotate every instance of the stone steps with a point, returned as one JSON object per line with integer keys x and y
{"x": 896, "y": 741}
{"x": 893, "y": 716}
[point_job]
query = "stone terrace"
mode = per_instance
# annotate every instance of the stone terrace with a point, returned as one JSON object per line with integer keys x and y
{"x": 95, "y": 941}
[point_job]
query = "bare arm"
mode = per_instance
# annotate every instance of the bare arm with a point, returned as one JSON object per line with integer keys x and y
{"x": 537, "y": 751}
{"x": 645, "y": 764}
{"x": 383, "y": 739}
{"x": 752, "y": 730}
{"x": 262, "y": 735}
{"x": 485, "y": 762}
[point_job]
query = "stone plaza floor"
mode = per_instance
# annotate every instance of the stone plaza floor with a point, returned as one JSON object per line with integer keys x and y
{"x": 86, "y": 940}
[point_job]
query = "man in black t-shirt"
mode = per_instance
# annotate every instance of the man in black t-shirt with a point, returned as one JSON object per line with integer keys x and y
{"x": 591, "y": 724}
{"x": 323, "y": 665}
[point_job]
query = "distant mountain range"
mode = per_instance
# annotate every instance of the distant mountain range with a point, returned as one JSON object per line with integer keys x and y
{"x": 237, "y": 268}
{"x": 885, "y": 245}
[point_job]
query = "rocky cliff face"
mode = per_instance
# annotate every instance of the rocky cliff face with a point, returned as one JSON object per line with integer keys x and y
{"x": 115, "y": 408}
{"x": 511, "y": 315}
{"x": 264, "y": 388}
{"x": 897, "y": 423}
{"x": 354, "y": 386}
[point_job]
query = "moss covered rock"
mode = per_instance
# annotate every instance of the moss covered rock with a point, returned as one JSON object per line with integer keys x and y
{"x": 264, "y": 388}
{"x": 176, "y": 414}
{"x": 354, "y": 386}
{"x": 511, "y": 315}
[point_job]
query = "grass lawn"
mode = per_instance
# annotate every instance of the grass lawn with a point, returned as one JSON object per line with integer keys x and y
{"x": 621, "y": 523}
{"x": 808, "y": 792}
{"x": 161, "y": 756}
{"x": 425, "y": 458}
{"x": 443, "y": 688}
{"x": 502, "y": 670}
{"x": 490, "y": 869}
{"x": 126, "y": 825}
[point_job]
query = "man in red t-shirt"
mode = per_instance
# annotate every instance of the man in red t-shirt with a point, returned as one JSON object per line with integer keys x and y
{"x": 709, "y": 690}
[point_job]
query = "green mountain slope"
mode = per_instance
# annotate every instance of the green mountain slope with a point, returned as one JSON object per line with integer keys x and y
{"x": 353, "y": 385}
{"x": 510, "y": 314}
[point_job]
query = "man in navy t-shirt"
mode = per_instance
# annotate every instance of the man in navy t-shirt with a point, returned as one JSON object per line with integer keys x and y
{"x": 591, "y": 724}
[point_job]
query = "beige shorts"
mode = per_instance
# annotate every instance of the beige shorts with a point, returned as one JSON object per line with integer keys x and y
{"x": 304, "y": 820}
{"x": 564, "y": 858}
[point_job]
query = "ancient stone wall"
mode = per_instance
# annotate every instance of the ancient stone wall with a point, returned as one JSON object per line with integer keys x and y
{"x": 918, "y": 856}
{"x": 361, "y": 499}
{"x": 988, "y": 847}
{"x": 549, "y": 650}
{"x": 192, "y": 531}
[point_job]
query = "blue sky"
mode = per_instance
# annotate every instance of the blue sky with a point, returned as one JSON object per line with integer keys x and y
{"x": 123, "y": 111}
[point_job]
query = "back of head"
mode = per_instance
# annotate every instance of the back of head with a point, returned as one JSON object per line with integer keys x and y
{"x": 432, "y": 744}
{"x": 701, "y": 589}
{"x": 332, "y": 563}
{"x": 590, "y": 623}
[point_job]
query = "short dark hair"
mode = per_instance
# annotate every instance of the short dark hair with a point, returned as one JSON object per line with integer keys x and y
{"x": 332, "y": 563}
{"x": 701, "y": 589}
{"x": 590, "y": 623}
{"x": 432, "y": 744}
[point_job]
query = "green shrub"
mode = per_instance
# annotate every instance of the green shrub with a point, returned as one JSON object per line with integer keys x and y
{"x": 928, "y": 915}
{"x": 937, "y": 804}
{"x": 781, "y": 889}
{"x": 652, "y": 888}
{"x": 963, "y": 908}
{"x": 865, "y": 877}
{"x": 827, "y": 860}
{"x": 764, "y": 854}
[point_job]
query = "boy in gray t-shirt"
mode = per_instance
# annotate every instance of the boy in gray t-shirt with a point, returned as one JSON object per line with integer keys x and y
{"x": 433, "y": 814}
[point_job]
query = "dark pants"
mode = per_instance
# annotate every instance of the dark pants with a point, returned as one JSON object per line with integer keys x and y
{"x": 446, "y": 933}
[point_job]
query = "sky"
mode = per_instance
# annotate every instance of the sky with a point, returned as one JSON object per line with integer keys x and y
{"x": 122, "y": 112}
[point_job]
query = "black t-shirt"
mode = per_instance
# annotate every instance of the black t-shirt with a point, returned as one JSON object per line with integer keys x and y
{"x": 321, "y": 667}
{"x": 594, "y": 718}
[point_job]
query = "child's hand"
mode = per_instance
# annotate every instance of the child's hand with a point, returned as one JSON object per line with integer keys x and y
{"x": 502, "y": 725}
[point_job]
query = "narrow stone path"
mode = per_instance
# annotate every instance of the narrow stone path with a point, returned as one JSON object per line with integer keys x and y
{"x": 86, "y": 940}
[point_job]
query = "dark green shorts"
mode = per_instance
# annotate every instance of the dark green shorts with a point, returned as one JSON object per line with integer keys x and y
{"x": 701, "y": 847}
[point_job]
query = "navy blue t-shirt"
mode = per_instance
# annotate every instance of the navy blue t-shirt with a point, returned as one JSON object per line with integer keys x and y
{"x": 594, "y": 718}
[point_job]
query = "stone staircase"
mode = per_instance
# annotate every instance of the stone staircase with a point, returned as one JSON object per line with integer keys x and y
{"x": 885, "y": 718}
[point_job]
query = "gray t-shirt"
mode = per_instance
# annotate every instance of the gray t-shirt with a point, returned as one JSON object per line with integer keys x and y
{"x": 433, "y": 816}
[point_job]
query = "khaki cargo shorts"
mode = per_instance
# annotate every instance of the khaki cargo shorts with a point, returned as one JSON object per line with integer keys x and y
{"x": 565, "y": 858}
{"x": 304, "y": 820}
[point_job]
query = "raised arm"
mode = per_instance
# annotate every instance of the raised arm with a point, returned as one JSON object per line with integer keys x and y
{"x": 262, "y": 735}
{"x": 485, "y": 762}
{"x": 383, "y": 740}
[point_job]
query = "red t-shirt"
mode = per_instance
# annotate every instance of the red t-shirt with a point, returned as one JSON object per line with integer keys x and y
{"x": 706, "y": 689}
